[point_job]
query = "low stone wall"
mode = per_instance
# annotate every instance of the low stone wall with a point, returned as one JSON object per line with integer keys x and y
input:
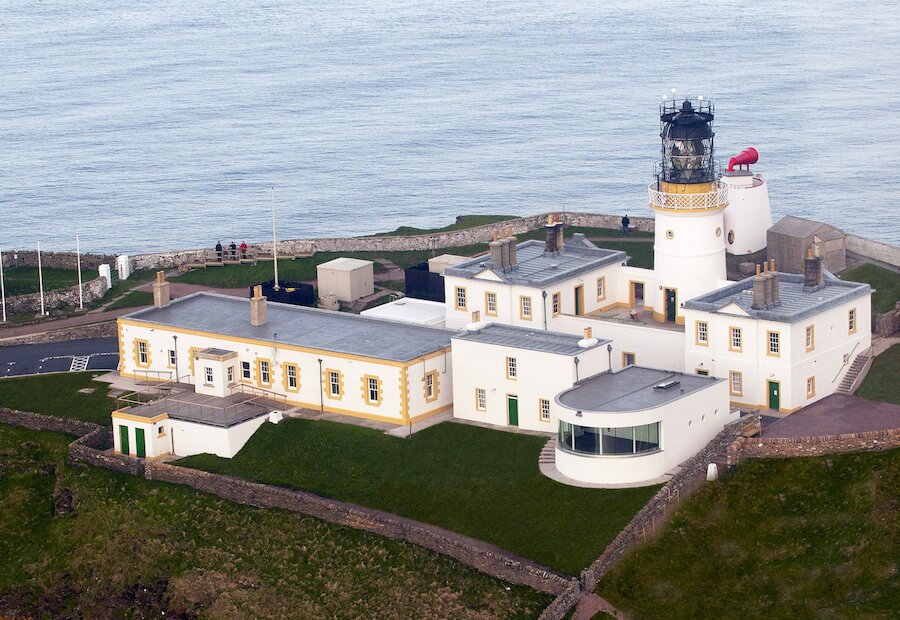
{"x": 775, "y": 447}
{"x": 40, "y": 422}
{"x": 887, "y": 323}
{"x": 875, "y": 250}
{"x": 91, "y": 330}
{"x": 58, "y": 298}
{"x": 393, "y": 243}
{"x": 479, "y": 555}
{"x": 58, "y": 260}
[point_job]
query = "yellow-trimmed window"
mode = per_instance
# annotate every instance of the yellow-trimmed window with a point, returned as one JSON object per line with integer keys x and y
{"x": 372, "y": 390}
{"x": 735, "y": 339}
{"x": 459, "y": 298}
{"x": 601, "y": 288}
{"x": 555, "y": 304}
{"x": 525, "y": 308}
{"x": 291, "y": 377}
{"x": 142, "y": 353}
{"x": 246, "y": 374}
{"x": 773, "y": 340}
{"x": 172, "y": 358}
{"x": 851, "y": 321}
{"x": 480, "y": 399}
{"x": 544, "y": 405}
{"x": 512, "y": 368}
{"x": 430, "y": 382}
{"x": 810, "y": 337}
{"x": 490, "y": 303}
{"x": 334, "y": 384}
{"x": 810, "y": 387}
{"x": 263, "y": 373}
{"x": 735, "y": 383}
{"x": 701, "y": 333}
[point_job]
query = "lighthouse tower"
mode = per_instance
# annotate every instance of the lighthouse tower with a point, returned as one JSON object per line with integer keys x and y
{"x": 689, "y": 203}
{"x": 749, "y": 214}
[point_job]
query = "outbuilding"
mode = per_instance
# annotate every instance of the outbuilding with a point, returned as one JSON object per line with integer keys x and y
{"x": 348, "y": 279}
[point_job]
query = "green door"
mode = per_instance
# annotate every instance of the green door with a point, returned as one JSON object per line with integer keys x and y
{"x": 512, "y": 410}
{"x": 670, "y": 304}
{"x": 139, "y": 442}
{"x": 774, "y": 399}
{"x": 123, "y": 439}
{"x": 579, "y": 300}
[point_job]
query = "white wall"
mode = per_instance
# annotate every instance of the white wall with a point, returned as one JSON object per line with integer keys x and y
{"x": 540, "y": 375}
{"x": 749, "y": 214}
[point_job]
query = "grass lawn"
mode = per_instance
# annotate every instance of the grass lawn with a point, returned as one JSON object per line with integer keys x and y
{"x": 478, "y": 482}
{"x": 462, "y": 222}
{"x": 885, "y": 282}
{"x": 132, "y": 300}
{"x": 57, "y": 394}
{"x": 21, "y": 280}
{"x": 881, "y": 381}
{"x": 782, "y": 538}
{"x": 133, "y": 548}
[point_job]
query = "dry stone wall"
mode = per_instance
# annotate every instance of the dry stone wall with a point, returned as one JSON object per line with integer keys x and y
{"x": 777, "y": 447}
{"x": 92, "y": 330}
{"x": 875, "y": 250}
{"x": 58, "y": 260}
{"x": 58, "y": 298}
{"x": 887, "y": 323}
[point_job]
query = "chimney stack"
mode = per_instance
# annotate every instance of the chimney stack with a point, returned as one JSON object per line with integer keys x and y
{"x": 550, "y": 245}
{"x": 588, "y": 333}
{"x": 759, "y": 291}
{"x": 476, "y": 316}
{"x": 813, "y": 278}
{"x": 768, "y": 281}
{"x": 560, "y": 237}
{"x": 776, "y": 295}
{"x": 504, "y": 250}
{"x": 513, "y": 260}
{"x": 161, "y": 294}
{"x": 496, "y": 252}
{"x": 258, "y": 314}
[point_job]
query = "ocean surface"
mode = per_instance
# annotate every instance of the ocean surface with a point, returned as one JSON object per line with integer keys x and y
{"x": 165, "y": 124}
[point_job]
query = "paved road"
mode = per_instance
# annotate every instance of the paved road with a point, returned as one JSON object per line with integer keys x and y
{"x": 70, "y": 355}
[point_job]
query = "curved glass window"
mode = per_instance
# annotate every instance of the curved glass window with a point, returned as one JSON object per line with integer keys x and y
{"x": 609, "y": 440}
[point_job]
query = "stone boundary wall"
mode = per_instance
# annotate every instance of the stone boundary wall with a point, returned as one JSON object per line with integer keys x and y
{"x": 393, "y": 243}
{"x": 876, "y": 250}
{"x": 90, "y": 330}
{"x": 58, "y": 260}
{"x": 887, "y": 323}
{"x": 779, "y": 447}
{"x": 93, "y": 445}
{"x": 31, "y": 302}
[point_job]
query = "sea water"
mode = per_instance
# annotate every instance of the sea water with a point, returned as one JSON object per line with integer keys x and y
{"x": 165, "y": 124}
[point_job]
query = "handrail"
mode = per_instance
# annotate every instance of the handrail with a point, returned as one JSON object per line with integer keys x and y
{"x": 716, "y": 199}
{"x": 850, "y": 360}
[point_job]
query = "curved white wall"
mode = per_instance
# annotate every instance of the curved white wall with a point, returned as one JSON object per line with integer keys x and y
{"x": 749, "y": 214}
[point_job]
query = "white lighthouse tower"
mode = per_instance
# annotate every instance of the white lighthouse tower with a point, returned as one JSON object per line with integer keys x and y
{"x": 749, "y": 214}
{"x": 689, "y": 203}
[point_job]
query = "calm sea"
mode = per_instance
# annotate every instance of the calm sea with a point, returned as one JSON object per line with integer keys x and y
{"x": 161, "y": 125}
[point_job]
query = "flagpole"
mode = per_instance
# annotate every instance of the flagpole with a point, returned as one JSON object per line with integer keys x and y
{"x": 78, "y": 259}
{"x": 2, "y": 288}
{"x": 274, "y": 242}
{"x": 41, "y": 278}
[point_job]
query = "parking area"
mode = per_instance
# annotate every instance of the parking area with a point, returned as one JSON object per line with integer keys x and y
{"x": 66, "y": 356}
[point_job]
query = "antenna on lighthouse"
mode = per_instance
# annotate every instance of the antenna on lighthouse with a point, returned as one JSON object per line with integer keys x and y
{"x": 274, "y": 242}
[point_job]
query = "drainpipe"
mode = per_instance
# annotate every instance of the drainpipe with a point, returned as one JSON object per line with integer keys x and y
{"x": 576, "y": 369}
{"x": 544, "y": 303}
{"x": 321, "y": 389}
{"x": 609, "y": 350}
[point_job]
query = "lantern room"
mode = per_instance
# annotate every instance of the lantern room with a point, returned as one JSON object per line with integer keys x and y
{"x": 687, "y": 142}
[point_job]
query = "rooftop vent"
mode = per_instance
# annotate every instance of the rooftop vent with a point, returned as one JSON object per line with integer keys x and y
{"x": 665, "y": 385}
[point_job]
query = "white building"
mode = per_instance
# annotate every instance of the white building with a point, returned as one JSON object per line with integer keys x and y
{"x": 348, "y": 279}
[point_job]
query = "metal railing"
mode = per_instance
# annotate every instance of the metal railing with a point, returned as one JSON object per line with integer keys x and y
{"x": 259, "y": 393}
{"x": 716, "y": 199}
{"x": 850, "y": 360}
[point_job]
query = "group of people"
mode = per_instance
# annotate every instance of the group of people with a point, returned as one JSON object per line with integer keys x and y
{"x": 232, "y": 250}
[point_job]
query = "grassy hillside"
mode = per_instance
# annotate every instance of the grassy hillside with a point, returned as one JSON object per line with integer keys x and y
{"x": 885, "y": 282}
{"x": 881, "y": 381}
{"x": 783, "y": 538}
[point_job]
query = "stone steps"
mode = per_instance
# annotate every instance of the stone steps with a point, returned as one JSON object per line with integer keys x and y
{"x": 852, "y": 373}
{"x": 548, "y": 452}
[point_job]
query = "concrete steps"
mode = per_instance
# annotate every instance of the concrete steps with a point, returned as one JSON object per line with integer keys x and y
{"x": 548, "y": 453}
{"x": 859, "y": 363}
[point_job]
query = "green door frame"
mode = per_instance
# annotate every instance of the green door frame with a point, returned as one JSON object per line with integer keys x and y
{"x": 774, "y": 395}
{"x": 579, "y": 300}
{"x": 140, "y": 446}
{"x": 123, "y": 439}
{"x": 512, "y": 410}
{"x": 671, "y": 304}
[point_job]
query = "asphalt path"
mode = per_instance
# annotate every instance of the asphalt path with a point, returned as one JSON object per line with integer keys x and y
{"x": 66, "y": 356}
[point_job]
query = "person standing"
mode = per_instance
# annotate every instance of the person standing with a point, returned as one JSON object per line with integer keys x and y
{"x": 218, "y": 250}
{"x": 232, "y": 251}
{"x": 243, "y": 249}
{"x": 626, "y": 223}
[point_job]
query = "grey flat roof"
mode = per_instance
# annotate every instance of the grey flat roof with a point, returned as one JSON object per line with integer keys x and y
{"x": 523, "y": 338}
{"x": 631, "y": 389}
{"x": 539, "y": 270}
{"x": 796, "y": 304}
{"x": 323, "y": 330}
{"x": 800, "y": 227}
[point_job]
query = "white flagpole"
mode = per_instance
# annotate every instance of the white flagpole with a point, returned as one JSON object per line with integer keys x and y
{"x": 2, "y": 288}
{"x": 274, "y": 242}
{"x": 40, "y": 277}
{"x": 78, "y": 259}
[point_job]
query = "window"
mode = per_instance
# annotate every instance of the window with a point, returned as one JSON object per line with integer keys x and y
{"x": 490, "y": 304}
{"x": 431, "y": 386}
{"x": 290, "y": 377}
{"x": 735, "y": 342}
{"x": 171, "y": 358}
{"x": 480, "y": 399}
{"x": 264, "y": 372}
{"x": 810, "y": 387}
{"x": 601, "y": 288}
{"x": 230, "y": 375}
{"x": 245, "y": 370}
{"x": 702, "y": 333}
{"x": 736, "y": 383}
{"x": 628, "y": 359}
{"x": 512, "y": 370}
{"x": 209, "y": 374}
{"x": 606, "y": 440}
{"x": 372, "y": 390}
{"x": 143, "y": 353}
{"x": 810, "y": 337}
{"x": 161, "y": 431}
{"x": 545, "y": 410}
{"x": 554, "y": 304}
{"x": 774, "y": 339}
{"x": 702, "y": 372}
{"x": 335, "y": 384}
{"x": 851, "y": 321}
{"x": 460, "y": 298}
{"x": 525, "y": 308}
